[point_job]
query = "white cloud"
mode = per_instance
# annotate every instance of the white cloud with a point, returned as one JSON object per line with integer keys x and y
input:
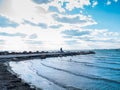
{"x": 115, "y": 0}
{"x": 38, "y": 38}
{"x": 93, "y": 38}
{"x": 21, "y": 10}
{"x": 48, "y": 38}
{"x": 70, "y": 4}
{"x": 17, "y": 10}
{"x": 94, "y": 3}
{"x": 74, "y": 21}
{"x": 76, "y": 4}
{"x": 108, "y": 2}
{"x": 45, "y": 39}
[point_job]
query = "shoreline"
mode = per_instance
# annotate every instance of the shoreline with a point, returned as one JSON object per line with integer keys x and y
{"x": 10, "y": 81}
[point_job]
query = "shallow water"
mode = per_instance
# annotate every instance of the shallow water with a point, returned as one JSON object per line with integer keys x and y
{"x": 100, "y": 71}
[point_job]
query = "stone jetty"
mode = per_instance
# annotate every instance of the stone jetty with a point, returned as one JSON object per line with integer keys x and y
{"x": 40, "y": 55}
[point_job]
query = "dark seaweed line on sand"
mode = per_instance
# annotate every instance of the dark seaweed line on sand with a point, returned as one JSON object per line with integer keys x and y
{"x": 83, "y": 75}
{"x": 53, "y": 81}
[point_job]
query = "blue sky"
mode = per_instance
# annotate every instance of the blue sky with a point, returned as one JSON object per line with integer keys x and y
{"x": 109, "y": 14}
{"x": 51, "y": 24}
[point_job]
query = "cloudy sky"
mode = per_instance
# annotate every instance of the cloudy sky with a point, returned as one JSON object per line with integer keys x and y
{"x": 51, "y": 24}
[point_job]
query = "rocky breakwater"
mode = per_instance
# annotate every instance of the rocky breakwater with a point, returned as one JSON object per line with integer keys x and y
{"x": 42, "y": 55}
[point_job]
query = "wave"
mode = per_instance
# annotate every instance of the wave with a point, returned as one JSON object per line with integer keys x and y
{"x": 116, "y": 63}
{"x": 93, "y": 65}
{"x": 52, "y": 80}
{"x": 109, "y": 59}
{"x": 110, "y": 68}
{"x": 57, "y": 83}
{"x": 89, "y": 76}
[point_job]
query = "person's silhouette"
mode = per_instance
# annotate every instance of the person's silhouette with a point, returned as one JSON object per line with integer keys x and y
{"x": 61, "y": 50}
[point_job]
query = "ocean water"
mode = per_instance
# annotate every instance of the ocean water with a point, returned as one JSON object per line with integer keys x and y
{"x": 100, "y": 71}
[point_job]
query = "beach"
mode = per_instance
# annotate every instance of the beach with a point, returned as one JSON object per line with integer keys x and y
{"x": 9, "y": 80}
{"x": 98, "y": 71}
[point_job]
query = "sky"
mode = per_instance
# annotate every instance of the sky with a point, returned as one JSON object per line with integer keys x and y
{"x": 51, "y": 24}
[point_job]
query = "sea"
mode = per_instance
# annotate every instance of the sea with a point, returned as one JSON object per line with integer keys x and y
{"x": 100, "y": 71}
